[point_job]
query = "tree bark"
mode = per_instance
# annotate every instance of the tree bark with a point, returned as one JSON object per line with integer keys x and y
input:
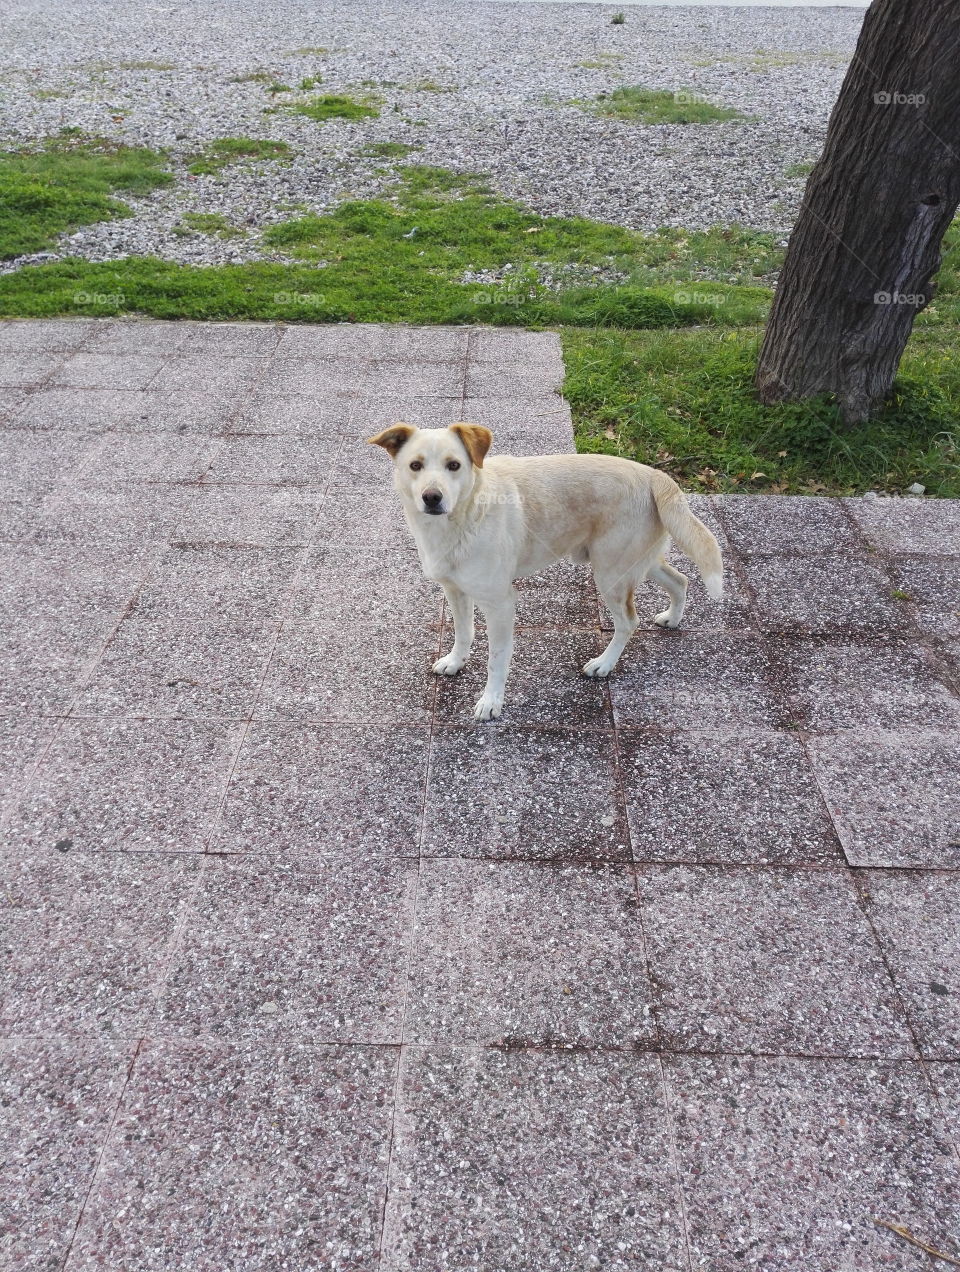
{"x": 866, "y": 245}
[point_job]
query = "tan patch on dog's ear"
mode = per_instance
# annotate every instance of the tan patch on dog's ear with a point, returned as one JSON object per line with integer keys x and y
{"x": 392, "y": 438}
{"x": 476, "y": 439}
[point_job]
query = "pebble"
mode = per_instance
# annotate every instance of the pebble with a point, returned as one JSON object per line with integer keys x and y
{"x": 509, "y": 74}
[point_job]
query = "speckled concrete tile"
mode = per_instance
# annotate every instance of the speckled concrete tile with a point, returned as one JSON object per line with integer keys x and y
{"x": 46, "y": 335}
{"x": 563, "y": 595}
{"x": 786, "y": 1163}
{"x": 109, "y": 371}
{"x": 946, "y": 1083}
{"x": 361, "y": 673}
{"x": 513, "y": 380}
{"x": 771, "y": 960}
{"x": 532, "y": 1160}
{"x": 303, "y": 377}
{"x": 210, "y": 582}
{"x": 895, "y": 798}
{"x": 847, "y": 594}
{"x": 286, "y": 460}
{"x": 744, "y": 797}
{"x": 29, "y": 459}
{"x": 318, "y": 415}
{"x": 284, "y": 516}
{"x": 531, "y": 426}
{"x": 365, "y": 517}
{"x": 357, "y": 341}
{"x": 132, "y": 336}
{"x": 917, "y": 917}
{"x": 933, "y": 586}
{"x": 525, "y": 794}
{"x": 422, "y": 344}
{"x": 126, "y": 411}
{"x": 232, "y": 339}
{"x": 291, "y": 948}
{"x": 809, "y": 526}
{"x": 214, "y": 373}
{"x": 251, "y": 1156}
{"x": 170, "y": 668}
{"x": 384, "y": 585}
{"x": 326, "y": 790}
{"x": 376, "y": 413}
{"x": 127, "y": 785}
{"x": 546, "y": 685}
{"x": 929, "y": 527}
{"x": 58, "y": 1098}
{"x": 45, "y": 657}
{"x": 26, "y": 369}
{"x": 358, "y": 465}
{"x": 12, "y": 402}
{"x": 22, "y": 741}
{"x": 56, "y": 581}
{"x": 414, "y": 379}
{"x": 502, "y": 347}
{"x": 887, "y": 684}
{"x": 88, "y": 936}
{"x": 694, "y": 680}
{"x": 515, "y": 954}
{"x": 155, "y": 457}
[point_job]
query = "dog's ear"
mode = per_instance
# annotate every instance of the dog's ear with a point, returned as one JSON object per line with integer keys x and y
{"x": 476, "y": 439}
{"x": 392, "y": 438}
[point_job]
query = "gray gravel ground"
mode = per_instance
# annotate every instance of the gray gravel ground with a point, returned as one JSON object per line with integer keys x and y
{"x": 474, "y": 86}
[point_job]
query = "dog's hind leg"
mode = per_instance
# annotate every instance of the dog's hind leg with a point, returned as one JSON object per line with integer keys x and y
{"x": 461, "y": 607}
{"x": 500, "y": 617}
{"x": 618, "y": 598}
{"x": 675, "y": 585}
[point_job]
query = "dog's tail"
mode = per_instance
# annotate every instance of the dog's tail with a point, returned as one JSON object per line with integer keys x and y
{"x": 689, "y": 533}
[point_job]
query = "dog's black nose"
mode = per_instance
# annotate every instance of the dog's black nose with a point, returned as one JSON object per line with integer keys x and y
{"x": 432, "y": 499}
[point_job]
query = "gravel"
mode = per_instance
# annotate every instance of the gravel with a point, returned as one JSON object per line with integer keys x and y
{"x": 508, "y": 75}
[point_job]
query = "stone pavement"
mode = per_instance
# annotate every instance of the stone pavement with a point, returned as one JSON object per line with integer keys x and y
{"x": 304, "y": 970}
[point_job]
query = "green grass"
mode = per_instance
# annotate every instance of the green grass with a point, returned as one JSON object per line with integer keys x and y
{"x": 660, "y": 367}
{"x": 309, "y": 50}
{"x": 684, "y": 401}
{"x": 800, "y": 169}
{"x": 252, "y": 77}
{"x": 657, "y": 106}
{"x": 388, "y": 149}
{"x": 68, "y": 183}
{"x": 334, "y": 106}
{"x": 226, "y": 150}
{"x": 210, "y": 223}
{"x": 601, "y": 62}
{"x": 310, "y": 82}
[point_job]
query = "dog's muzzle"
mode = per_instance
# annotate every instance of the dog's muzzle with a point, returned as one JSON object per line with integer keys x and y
{"x": 432, "y": 502}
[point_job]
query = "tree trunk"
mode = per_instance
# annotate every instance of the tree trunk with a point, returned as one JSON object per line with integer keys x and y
{"x": 876, "y": 207}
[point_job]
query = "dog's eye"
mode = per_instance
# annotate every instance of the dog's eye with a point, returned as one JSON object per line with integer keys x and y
{"x": 453, "y": 465}
{"x": 416, "y": 465}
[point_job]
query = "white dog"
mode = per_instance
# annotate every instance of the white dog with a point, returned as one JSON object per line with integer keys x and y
{"x": 480, "y": 525}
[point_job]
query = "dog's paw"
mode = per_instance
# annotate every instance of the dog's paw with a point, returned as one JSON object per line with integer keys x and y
{"x": 598, "y": 668}
{"x": 448, "y": 665}
{"x": 488, "y": 707}
{"x": 664, "y": 619}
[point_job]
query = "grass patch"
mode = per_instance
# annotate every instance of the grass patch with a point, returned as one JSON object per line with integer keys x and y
{"x": 310, "y": 82}
{"x": 68, "y": 183}
{"x": 216, "y": 155}
{"x": 309, "y": 50}
{"x": 684, "y": 401}
{"x": 430, "y": 86}
{"x": 388, "y": 149}
{"x": 335, "y": 106}
{"x": 601, "y": 62}
{"x": 210, "y": 223}
{"x": 657, "y": 106}
{"x": 800, "y": 169}
{"x": 251, "y": 77}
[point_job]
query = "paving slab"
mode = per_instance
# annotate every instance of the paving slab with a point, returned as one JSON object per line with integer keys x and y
{"x": 244, "y": 1155}
{"x": 528, "y": 955}
{"x": 786, "y": 1163}
{"x": 58, "y": 1098}
{"x": 305, "y": 968}
{"x": 916, "y": 917}
{"x": 532, "y": 1159}
{"x": 713, "y": 936}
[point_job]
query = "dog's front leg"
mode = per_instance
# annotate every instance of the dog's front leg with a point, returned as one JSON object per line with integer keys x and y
{"x": 500, "y": 618}
{"x": 461, "y": 607}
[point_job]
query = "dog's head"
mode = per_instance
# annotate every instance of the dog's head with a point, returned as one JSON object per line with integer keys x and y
{"x": 435, "y": 468}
